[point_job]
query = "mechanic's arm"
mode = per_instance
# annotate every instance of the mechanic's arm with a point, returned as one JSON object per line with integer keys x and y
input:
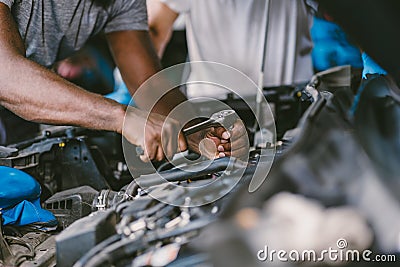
{"x": 137, "y": 61}
{"x": 37, "y": 94}
{"x": 161, "y": 20}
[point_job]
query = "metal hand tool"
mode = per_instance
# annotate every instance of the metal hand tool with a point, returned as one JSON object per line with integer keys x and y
{"x": 224, "y": 118}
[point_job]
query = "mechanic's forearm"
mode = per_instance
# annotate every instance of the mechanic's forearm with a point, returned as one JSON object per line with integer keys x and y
{"x": 37, "y": 94}
{"x": 161, "y": 20}
{"x": 159, "y": 42}
{"x": 137, "y": 61}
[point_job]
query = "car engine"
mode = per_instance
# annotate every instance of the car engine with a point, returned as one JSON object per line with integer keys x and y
{"x": 203, "y": 214}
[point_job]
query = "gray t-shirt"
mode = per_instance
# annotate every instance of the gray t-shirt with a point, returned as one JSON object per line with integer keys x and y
{"x": 54, "y": 29}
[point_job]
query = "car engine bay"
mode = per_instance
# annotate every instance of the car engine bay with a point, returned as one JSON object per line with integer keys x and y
{"x": 111, "y": 215}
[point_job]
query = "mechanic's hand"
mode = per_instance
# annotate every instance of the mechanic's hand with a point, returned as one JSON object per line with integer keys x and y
{"x": 159, "y": 136}
{"x": 218, "y": 142}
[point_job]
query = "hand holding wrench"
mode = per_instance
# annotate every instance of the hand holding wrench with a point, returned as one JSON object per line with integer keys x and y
{"x": 224, "y": 118}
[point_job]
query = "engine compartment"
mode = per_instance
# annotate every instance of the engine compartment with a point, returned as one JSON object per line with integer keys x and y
{"x": 110, "y": 215}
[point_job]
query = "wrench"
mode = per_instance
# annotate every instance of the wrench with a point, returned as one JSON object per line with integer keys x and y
{"x": 225, "y": 118}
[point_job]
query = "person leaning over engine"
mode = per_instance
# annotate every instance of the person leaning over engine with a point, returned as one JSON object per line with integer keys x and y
{"x": 35, "y": 34}
{"x": 236, "y": 33}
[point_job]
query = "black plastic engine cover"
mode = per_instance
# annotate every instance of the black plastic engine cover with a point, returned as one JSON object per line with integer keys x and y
{"x": 83, "y": 235}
